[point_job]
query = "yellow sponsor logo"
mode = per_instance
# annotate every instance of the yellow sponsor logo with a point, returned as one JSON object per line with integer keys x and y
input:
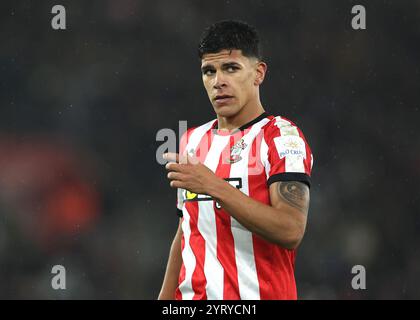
{"x": 190, "y": 195}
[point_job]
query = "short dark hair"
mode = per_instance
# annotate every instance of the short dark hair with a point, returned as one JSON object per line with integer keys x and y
{"x": 230, "y": 35}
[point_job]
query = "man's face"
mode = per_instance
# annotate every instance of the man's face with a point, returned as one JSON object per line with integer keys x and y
{"x": 230, "y": 79}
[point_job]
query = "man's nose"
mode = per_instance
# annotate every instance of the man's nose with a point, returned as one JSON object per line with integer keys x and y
{"x": 219, "y": 80}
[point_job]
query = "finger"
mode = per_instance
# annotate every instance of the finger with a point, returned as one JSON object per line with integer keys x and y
{"x": 176, "y": 184}
{"x": 171, "y": 156}
{"x": 172, "y": 166}
{"x": 175, "y": 176}
{"x": 182, "y": 158}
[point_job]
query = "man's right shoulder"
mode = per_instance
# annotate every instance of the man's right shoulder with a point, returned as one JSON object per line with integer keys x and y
{"x": 197, "y": 131}
{"x": 201, "y": 128}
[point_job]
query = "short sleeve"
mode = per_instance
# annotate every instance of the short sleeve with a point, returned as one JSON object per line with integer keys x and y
{"x": 289, "y": 157}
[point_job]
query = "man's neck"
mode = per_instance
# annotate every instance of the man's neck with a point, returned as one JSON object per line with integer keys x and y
{"x": 238, "y": 120}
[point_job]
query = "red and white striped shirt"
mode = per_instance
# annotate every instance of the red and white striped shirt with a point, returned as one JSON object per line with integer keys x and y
{"x": 221, "y": 258}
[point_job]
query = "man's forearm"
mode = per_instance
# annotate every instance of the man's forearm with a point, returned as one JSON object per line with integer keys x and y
{"x": 173, "y": 268}
{"x": 277, "y": 225}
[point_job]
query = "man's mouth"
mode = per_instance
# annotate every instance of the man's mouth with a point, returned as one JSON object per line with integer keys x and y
{"x": 222, "y": 98}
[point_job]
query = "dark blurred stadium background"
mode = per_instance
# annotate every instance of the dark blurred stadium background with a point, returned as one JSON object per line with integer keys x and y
{"x": 80, "y": 109}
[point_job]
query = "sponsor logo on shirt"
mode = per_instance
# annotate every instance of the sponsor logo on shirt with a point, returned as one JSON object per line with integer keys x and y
{"x": 290, "y": 146}
{"x": 190, "y": 196}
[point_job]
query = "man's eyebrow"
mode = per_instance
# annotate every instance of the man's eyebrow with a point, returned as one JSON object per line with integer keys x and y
{"x": 207, "y": 67}
{"x": 230, "y": 64}
{"x": 225, "y": 64}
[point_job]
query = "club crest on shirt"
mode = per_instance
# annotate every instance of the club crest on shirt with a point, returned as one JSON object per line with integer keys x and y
{"x": 235, "y": 151}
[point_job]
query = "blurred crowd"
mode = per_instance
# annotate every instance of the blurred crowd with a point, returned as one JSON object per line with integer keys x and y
{"x": 80, "y": 109}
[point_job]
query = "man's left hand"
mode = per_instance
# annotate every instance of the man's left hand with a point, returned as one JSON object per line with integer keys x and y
{"x": 188, "y": 173}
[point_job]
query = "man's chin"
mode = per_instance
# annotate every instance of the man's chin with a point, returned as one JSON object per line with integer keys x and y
{"x": 226, "y": 111}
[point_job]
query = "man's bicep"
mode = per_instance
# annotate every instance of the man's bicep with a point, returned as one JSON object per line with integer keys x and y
{"x": 291, "y": 193}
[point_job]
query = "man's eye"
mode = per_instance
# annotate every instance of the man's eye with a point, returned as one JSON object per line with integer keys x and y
{"x": 231, "y": 69}
{"x": 208, "y": 72}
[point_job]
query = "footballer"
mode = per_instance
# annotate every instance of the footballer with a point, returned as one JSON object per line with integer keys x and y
{"x": 242, "y": 183}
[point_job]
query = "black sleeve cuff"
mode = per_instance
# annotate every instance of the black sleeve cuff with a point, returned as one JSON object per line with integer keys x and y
{"x": 290, "y": 176}
{"x": 179, "y": 213}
